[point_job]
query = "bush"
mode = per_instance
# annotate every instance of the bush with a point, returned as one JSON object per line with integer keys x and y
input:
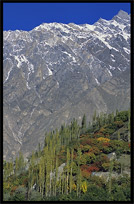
{"x": 35, "y": 196}
{"x": 95, "y": 193}
{"x": 6, "y": 196}
{"x": 105, "y": 167}
{"x": 123, "y": 115}
{"x": 19, "y": 194}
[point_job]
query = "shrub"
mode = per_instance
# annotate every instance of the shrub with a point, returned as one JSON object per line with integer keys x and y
{"x": 105, "y": 166}
{"x": 103, "y": 139}
{"x": 19, "y": 194}
{"x": 35, "y": 196}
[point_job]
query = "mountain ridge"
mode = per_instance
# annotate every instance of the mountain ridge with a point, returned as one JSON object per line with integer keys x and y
{"x": 48, "y": 71}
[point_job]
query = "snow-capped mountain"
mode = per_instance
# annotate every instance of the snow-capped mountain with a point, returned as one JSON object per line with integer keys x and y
{"x": 56, "y": 72}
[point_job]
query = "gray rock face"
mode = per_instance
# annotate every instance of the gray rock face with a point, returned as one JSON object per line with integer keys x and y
{"x": 56, "y": 72}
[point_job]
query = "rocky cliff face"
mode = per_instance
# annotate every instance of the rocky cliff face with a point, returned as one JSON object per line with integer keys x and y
{"x": 56, "y": 72}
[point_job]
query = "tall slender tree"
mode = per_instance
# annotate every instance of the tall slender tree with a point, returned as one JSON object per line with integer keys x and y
{"x": 56, "y": 174}
{"x": 71, "y": 170}
{"x": 83, "y": 123}
{"x": 68, "y": 169}
{"x": 79, "y": 173}
{"x": 118, "y": 135}
{"x": 129, "y": 125}
{"x": 41, "y": 175}
{"x": 110, "y": 175}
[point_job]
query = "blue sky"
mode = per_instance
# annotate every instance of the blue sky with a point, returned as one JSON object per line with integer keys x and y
{"x": 26, "y": 16}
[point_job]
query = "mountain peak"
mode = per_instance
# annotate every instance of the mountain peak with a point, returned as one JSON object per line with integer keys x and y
{"x": 123, "y": 14}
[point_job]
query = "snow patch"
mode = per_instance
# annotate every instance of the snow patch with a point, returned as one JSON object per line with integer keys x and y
{"x": 90, "y": 27}
{"x": 116, "y": 24}
{"x": 27, "y": 85}
{"x": 97, "y": 81}
{"x": 30, "y": 69}
{"x": 115, "y": 49}
{"x": 118, "y": 68}
{"x": 8, "y": 75}
{"x": 125, "y": 36}
{"x": 126, "y": 50}
{"x": 112, "y": 68}
{"x": 73, "y": 58}
{"x": 109, "y": 72}
{"x": 50, "y": 72}
{"x": 67, "y": 53}
{"x": 20, "y": 59}
{"x": 102, "y": 38}
{"x": 57, "y": 84}
{"x": 48, "y": 26}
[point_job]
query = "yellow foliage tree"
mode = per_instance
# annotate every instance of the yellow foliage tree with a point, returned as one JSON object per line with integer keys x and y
{"x": 103, "y": 139}
{"x": 74, "y": 187}
{"x": 84, "y": 187}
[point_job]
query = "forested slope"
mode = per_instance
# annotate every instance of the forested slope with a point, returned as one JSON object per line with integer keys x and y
{"x": 88, "y": 162}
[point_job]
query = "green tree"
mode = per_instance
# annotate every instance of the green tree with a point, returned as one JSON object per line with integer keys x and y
{"x": 39, "y": 150}
{"x": 78, "y": 173}
{"x": 21, "y": 162}
{"x": 16, "y": 165}
{"x": 68, "y": 169}
{"x": 110, "y": 176}
{"x": 31, "y": 176}
{"x": 41, "y": 175}
{"x": 94, "y": 116}
{"x": 47, "y": 171}
{"x": 71, "y": 170}
{"x": 118, "y": 135}
{"x": 129, "y": 125}
{"x": 83, "y": 123}
{"x": 56, "y": 175}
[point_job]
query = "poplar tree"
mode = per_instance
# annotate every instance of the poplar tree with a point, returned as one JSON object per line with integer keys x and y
{"x": 11, "y": 167}
{"x": 62, "y": 183}
{"x": 51, "y": 164}
{"x": 83, "y": 123}
{"x": 56, "y": 175}
{"x": 60, "y": 187}
{"x": 94, "y": 116}
{"x": 71, "y": 170}
{"x": 118, "y": 135}
{"x": 68, "y": 165}
{"x": 79, "y": 173}
{"x": 21, "y": 162}
{"x": 31, "y": 173}
{"x": 16, "y": 165}
{"x": 129, "y": 125}
{"x": 41, "y": 175}
{"x": 47, "y": 171}
{"x": 110, "y": 175}
{"x": 39, "y": 150}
